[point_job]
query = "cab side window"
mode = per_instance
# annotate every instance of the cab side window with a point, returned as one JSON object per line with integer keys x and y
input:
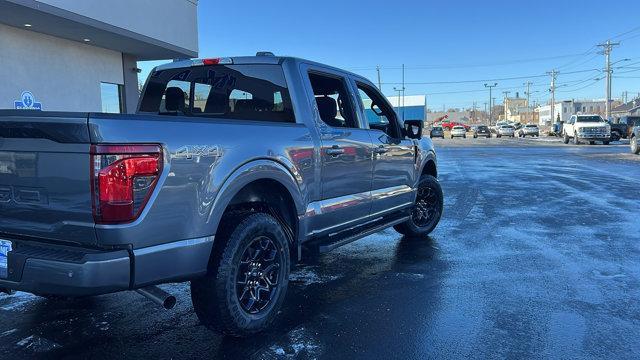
{"x": 380, "y": 115}
{"x": 333, "y": 100}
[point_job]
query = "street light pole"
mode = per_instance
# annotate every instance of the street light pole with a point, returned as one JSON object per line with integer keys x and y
{"x": 554, "y": 75}
{"x": 490, "y": 97}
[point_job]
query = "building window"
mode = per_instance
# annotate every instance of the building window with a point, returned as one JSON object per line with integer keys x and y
{"x": 111, "y": 97}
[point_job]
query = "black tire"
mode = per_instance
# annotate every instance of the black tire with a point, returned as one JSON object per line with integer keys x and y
{"x": 498, "y": 136}
{"x": 576, "y": 141}
{"x": 615, "y": 136}
{"x": 592, "y": 142}
{"x": 565, "y": 138}
{"x": 464, "y": 136}
{"x": 216, "y": 298}
{"x": 635, "y": 147}
{"x": 605, "y": 143}
{"x": 430, "y": 191}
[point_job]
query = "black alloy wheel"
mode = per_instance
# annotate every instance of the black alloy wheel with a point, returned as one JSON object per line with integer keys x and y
{"x": 258, "y": 275}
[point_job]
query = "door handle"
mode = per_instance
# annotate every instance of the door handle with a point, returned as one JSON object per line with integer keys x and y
{"x": 335, "y": 151}
{"x": 381, "y": 149}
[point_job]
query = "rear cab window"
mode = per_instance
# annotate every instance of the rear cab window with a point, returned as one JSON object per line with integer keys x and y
{"x": 256, "y": 92}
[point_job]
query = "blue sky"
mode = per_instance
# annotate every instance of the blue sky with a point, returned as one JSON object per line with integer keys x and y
{"x": 439, "y": 42}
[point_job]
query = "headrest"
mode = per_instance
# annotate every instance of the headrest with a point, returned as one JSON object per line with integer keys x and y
{"x": 244, "y": 105}
{"x": 174, "y": 99}
{"x": 327, "y": 107}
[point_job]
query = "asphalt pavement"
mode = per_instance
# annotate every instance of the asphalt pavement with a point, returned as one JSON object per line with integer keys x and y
{"x": 537, "y": 256}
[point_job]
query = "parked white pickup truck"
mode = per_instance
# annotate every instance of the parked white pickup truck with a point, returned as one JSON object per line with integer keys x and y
{"x": 589, "y": 128}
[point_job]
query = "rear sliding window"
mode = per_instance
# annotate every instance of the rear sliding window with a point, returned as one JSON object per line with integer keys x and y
{"x": 243, "y": 92}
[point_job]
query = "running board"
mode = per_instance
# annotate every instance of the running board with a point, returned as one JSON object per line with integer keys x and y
{"x": 325, "y": 247}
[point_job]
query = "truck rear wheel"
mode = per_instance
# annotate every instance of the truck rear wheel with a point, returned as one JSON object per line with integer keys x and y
{"x": 248, "y": 277}
{"x": 427, "y": 210}
{"x": 635, "y": 148}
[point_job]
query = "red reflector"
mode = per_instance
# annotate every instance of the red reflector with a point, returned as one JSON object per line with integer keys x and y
{"x": 215, "y": 61}
{"x": 123, "y": 179}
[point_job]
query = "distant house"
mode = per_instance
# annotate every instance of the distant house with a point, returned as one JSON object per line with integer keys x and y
{"x": 628, "y": 109}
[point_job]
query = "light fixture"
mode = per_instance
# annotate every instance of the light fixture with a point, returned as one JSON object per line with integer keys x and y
{"x": 27, "y": 25}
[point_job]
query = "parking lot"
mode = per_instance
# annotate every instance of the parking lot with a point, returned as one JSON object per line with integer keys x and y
{"x": 536, "y": 255}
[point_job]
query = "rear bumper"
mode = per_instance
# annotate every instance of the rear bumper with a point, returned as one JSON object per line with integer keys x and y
{"x": 68, "y": 271}
{"x": 47, "y": 269}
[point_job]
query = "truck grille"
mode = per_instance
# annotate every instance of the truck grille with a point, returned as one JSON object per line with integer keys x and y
{"x": 597, "y": 131}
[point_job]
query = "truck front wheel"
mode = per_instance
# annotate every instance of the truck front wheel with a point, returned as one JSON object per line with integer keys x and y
{"x": 565, "y": 138}
{"x": 427, "y": 209}
{"x": 248, "y": 277}
{"x": 635, "y": 148}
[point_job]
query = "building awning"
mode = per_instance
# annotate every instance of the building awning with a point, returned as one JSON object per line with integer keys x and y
{"x": 50, "y": 20}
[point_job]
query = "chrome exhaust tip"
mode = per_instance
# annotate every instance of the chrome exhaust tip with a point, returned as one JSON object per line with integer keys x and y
{"x": 158, "y": 296}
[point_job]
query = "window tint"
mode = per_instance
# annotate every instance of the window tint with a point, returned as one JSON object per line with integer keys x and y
{"x": 332, "y": 98}
{"x": 379, "y": 114}
{"x": 111, "y": 98}
{"x": 244, "y": 92}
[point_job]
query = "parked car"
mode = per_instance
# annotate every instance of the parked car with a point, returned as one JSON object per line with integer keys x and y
{"x": 634, "y": 140}
{"x": 437, "y": 131}
{"x": 496, "y": 127}
{"x": 458, "y": 131}
{"x": 529, "y": 130}
{"x": 481, "y": 130}
{"x": 506, "y": 130}
{"x": 624, "y": 127}
{"x": 589, "y": 128}
{"x": 448, "y": 125}
{"x": 217, "y": 188}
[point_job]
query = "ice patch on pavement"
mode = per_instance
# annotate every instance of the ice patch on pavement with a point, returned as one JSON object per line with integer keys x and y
{"x": 16, "y": 301}
{"x": 300, "y": 343}
{"x": 8, "y": 332}
{"x": 306, "y": 277}
{"x": 37, "y": 344}
{"x": 411, "y": 276}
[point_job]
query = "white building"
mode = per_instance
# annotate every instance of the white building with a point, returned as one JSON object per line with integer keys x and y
{"x": 567, "y": 108}
{"x": 80, "y": 55}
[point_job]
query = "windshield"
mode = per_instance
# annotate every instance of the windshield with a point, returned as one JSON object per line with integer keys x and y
{"x": 458, "y": 128}
{"x": 532, "y": 126}
{"x": 594, "y": 118}
{"x": 506, "y": 127}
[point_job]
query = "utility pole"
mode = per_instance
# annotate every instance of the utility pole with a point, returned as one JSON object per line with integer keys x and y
{"x": 403, "y": 88}
{"x": 528, "y": 84}
{"x": 474, "y": 117}
{"x": 606, "y": 51}
{"x": 379, "y": 82}
{"x": 554, "y": 75}
{"x": 490, "y": 97}
{"x": 504, "y": 103}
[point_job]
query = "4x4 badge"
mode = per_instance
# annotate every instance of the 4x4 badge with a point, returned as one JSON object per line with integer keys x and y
{"x": 191, "y": 151}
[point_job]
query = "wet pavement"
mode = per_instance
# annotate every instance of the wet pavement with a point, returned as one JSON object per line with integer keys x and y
{"x": 537, "y": 255}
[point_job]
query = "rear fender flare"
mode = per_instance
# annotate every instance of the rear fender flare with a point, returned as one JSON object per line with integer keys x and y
{"x": 246, "y": 174}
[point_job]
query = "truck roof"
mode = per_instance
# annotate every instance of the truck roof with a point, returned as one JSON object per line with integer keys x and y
{"x": 243, "y": 60}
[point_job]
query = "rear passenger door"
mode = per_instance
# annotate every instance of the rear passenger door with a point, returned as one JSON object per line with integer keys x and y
{"x": 394, "y": 156}
{"x": 346, "y": 151}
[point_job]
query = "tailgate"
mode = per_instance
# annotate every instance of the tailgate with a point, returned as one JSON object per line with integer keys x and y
{"x": 44, "y": 176}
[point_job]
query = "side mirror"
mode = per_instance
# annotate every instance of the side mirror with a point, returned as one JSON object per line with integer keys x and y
{"x": 413, "y": 129}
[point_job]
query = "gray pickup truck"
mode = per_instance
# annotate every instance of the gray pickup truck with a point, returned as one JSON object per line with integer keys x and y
{"x": 232, "y": 170}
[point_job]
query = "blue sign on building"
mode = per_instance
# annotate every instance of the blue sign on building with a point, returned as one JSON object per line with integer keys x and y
{"x": 27, "y": 102}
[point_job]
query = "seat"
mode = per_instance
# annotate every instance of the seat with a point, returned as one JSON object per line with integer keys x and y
{"x": 328, "y": 109}
{"x": 174, "y": 100}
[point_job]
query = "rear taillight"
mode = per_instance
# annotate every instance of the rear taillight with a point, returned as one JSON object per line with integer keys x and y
{"x": 123, "y": 178}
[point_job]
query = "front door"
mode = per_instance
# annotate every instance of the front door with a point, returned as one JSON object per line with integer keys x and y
{"x": 394, "y": 162}
{"x": 346, "y": 153}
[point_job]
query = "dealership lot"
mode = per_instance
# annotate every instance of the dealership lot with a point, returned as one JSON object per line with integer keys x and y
{"x": 536, "y": 255}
